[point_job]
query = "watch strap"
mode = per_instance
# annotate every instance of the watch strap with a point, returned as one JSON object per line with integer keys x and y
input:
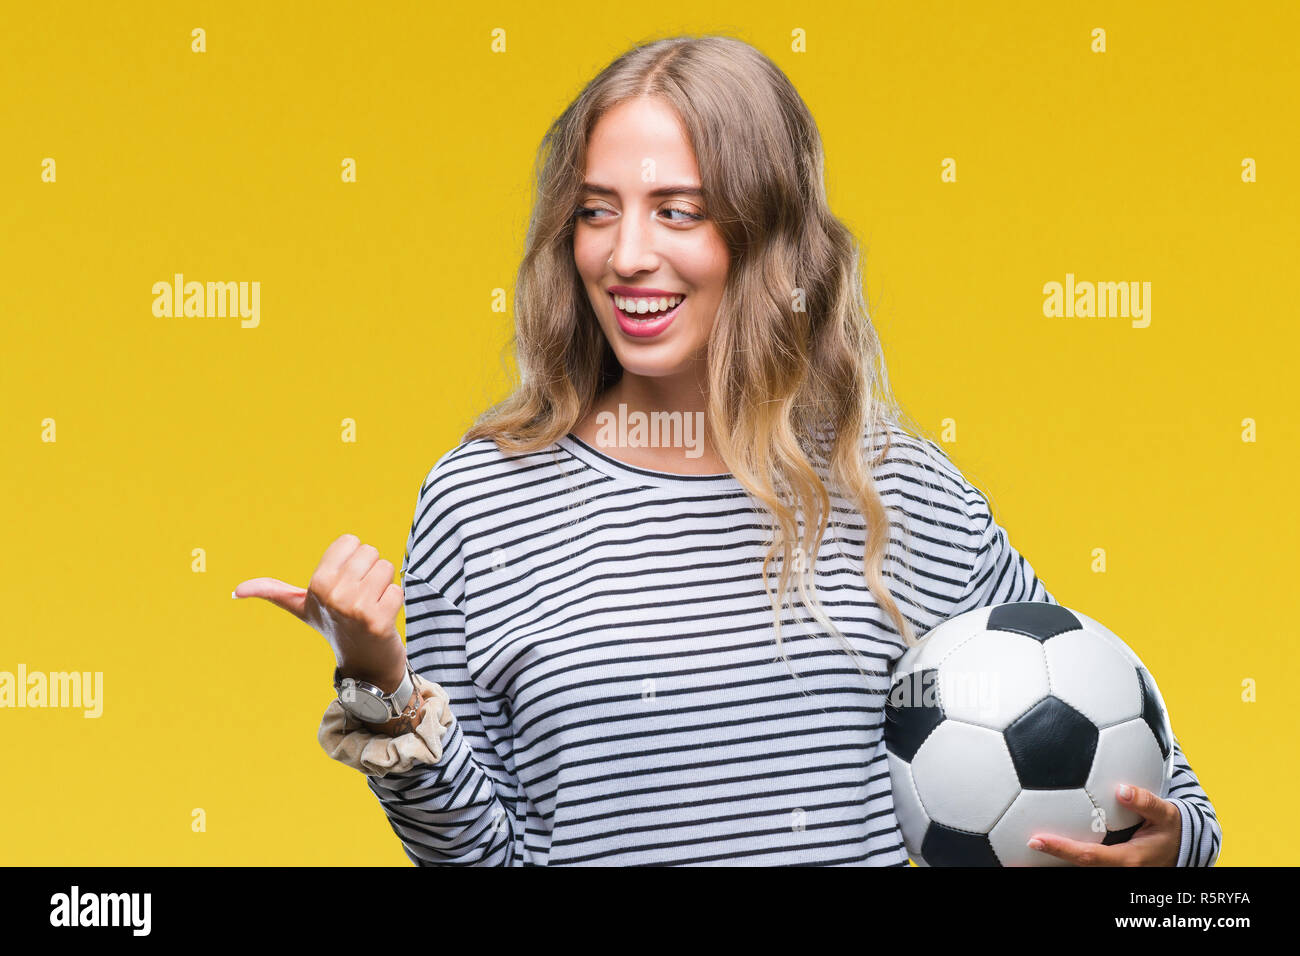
{"x": 396, "y": 701}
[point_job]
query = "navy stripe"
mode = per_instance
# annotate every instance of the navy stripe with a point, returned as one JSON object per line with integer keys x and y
{"x": 608, "y": 650}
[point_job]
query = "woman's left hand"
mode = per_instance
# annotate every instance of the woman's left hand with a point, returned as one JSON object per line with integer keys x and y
{"x": 1154, "y": 844}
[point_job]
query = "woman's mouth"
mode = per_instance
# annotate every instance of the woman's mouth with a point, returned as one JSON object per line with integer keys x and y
{"x": 644, "y": 316}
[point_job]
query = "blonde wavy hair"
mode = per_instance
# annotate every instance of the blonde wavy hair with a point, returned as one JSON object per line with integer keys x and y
{"x": 790, "y": 389}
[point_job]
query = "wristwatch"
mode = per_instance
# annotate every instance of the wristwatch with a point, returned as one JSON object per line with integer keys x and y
{"x": 369, "y": 704}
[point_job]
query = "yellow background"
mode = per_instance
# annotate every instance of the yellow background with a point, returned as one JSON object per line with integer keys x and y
{"x": 184, "y": 433}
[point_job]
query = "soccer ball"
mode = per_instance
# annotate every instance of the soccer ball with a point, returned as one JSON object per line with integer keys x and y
{"x": 1018, "y": 719}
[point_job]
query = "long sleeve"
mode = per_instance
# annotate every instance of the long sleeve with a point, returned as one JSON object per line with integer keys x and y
{"x": 459, "y": 811}
{"x": 1002, "y": 575}
{"x": 453, "y": 802}
{"x": 1201, "y": 832}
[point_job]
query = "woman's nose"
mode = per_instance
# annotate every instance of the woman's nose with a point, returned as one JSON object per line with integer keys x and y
{"x": 633, "y": 249}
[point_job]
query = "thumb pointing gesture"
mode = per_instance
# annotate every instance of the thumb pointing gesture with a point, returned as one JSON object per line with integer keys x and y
{"x": 352, "y": 601}
{"x": 292, "y": 599}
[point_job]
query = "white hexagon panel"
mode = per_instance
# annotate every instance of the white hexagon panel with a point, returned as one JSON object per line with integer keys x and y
{"x": 1127, "y": 753}
{"x": 992, "y": 679}
{"x": 1072, "y": 814}
{"x": 965, "y": 776}
{"x": 1091, "y": 675}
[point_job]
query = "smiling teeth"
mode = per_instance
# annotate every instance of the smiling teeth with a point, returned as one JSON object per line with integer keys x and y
{"x": 639, "y": 306}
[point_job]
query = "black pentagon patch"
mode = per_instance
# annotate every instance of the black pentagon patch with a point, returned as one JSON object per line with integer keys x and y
{"x": 1036, "y": 619}
{"x": 1120, "y": 836}
{"x": 1151, "y": 712}
{"x": 1052, "y": 746}
{"x": 944, "y": 846}
{"x": 912, "y": 712}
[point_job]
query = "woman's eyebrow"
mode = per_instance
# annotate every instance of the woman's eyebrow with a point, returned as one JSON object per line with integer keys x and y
{"x": 661, "y": 191}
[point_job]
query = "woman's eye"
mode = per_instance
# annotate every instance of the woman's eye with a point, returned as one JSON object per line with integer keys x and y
{"x": 590, "y": 213}
{"x": 690, "y": 216}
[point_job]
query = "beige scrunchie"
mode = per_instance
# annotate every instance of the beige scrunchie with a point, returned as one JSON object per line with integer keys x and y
{"x": 349, "y": 741}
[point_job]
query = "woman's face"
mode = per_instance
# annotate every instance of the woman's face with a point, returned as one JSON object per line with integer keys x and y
{"x": 645, "y": 235}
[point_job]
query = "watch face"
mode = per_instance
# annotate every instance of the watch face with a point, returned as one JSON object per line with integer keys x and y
{"x": 361, "y": 703}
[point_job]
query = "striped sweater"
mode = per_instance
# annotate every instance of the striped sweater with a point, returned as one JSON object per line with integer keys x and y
{"x": 609, "y": 653}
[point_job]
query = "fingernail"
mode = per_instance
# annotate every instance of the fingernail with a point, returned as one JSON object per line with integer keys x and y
{"x": 232, "y": 593}
{"x": 1125, "y": 792}
{"x": 1035, "y": 844}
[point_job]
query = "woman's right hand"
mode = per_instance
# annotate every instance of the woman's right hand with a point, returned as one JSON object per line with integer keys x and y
{"x": 353, "y": 602}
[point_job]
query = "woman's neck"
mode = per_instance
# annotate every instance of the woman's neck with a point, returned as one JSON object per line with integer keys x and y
{"x": 653, "y": 423}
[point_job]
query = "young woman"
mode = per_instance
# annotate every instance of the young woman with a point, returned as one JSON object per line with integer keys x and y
{"x": 606, "y": 661}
